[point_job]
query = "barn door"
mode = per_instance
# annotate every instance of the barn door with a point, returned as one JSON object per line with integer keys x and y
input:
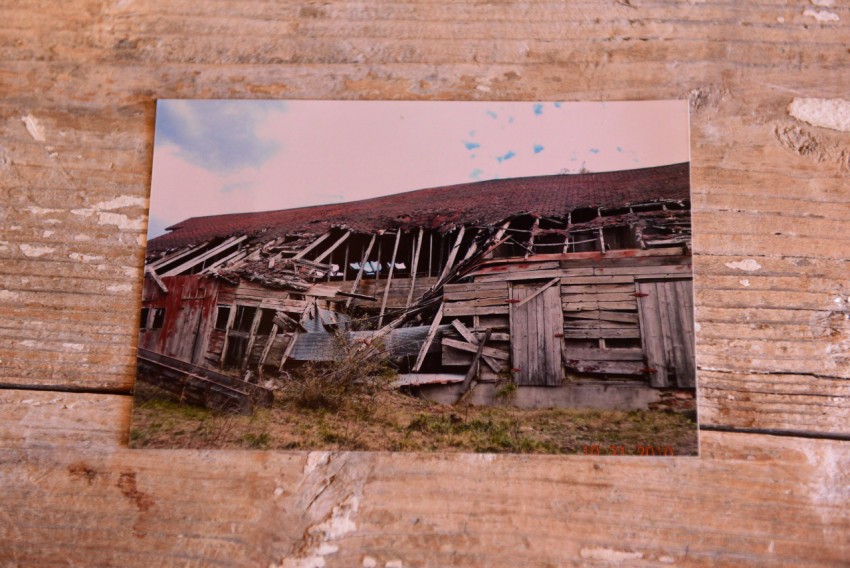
{"x": 666, "y": 311}
{"x": 183, "y": 343}
{"x": 537, "y": 325}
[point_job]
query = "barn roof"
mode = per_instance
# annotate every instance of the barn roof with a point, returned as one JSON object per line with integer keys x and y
{"x": 484, "y": 202}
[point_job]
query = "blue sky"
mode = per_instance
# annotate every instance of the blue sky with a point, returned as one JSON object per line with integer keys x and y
{"x": 216, "y": 156}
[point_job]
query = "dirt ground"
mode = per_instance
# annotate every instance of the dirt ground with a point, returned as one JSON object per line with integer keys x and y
{"x": 392, "y": 421}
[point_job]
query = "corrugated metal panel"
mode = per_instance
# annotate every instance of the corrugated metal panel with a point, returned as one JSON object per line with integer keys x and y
{"x": 402, "y": 342}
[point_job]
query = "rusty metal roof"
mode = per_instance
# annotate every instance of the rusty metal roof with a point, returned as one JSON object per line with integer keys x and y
{"x": 483, "y": 202}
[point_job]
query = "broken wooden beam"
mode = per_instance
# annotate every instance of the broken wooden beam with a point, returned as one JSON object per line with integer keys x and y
{"x": 473, "y": 368}
{"x": 452, "y": 255}
{"x": 311, "y": 246}
{"x": 157, "y": 279}
{"x": 267, "y": 347}
{"x": 333, "y": 247}
{"x": 357, "y": 296}
{"x": 470, "y": 337}
{"x": 389, "y": 279}
{"x": 286, "y": 322}
{"x": 435, "y": 324}
{"x": 464, "y": 346}
{"x": 191, "y": 263}
{"x": 293, "y": 337}
{"x": 252, "y": 336}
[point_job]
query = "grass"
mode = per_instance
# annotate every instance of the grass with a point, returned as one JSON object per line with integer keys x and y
{"x": 385, "y": 420}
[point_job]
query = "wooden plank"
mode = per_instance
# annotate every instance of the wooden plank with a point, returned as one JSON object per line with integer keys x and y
{"x": 268, "y": 346}
{"x": 152, "y": 273}
{"x": 192, "y": 262}
{"x": 458, "y": 358}
{"x": 660, "y": 277}
{"x": 435, "y": 324}
{"x": 358, "y": 296}
{"x": 608, "y": 261}
{"x": 464, "y": 346}
{"x": 252, "y": 337}
{"x": 177, "y": 255}
{"x": 597, "y": 323}
{"x": 477, "y": 303}
{"x": 532, "y": 275}
{"x": 493, "y": 321}
{"x": 475, "y": 294}
{"x": 621, "y": 279}
{"x": 530, "y": 249}
{"x": 681, "y": 270}
{"x": 606, "y": 333}
{"x": 473, "y": 340}
{"x": 419, "y": 379}
{"x": 233, "y": 257}
{"x": 500, "y": 234}
{"x": 476, "y": 287}
{"x": 598, "y": 289}
{"x": 293, "y": 337}
{"x": 461, "y": 310}
{"x": 230, "y": 318}
{"x": 473, "y": 367}
{"x": 312, "y": 245}
{"x": 606, "y": 367}
{"x": 603, "y": 315}
{"x": 453, "y": 254}
{"x": 390, "y": 279}
{"x": 363, "y": 262}
{"x": 600, "y": 297}
{"x": 517, "y": 265}
{"x": 592, "y": 256}
{"x": 579, "y": 306}
{"x": 652, "y": 339}
{"x": 686, "y": 313}
{"x": 283, "y": 304}
{"x": 553, "y": 319}
{"x": 414, "y": 266}
{"x": 612, "y": 354}
{"x": 333, "y": 247}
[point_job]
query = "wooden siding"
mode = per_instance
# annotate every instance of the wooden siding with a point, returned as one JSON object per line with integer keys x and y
{"x": 666, "y": 320}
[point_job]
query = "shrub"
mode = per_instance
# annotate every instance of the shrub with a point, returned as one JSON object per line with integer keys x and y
{"x": 349, "y": 382}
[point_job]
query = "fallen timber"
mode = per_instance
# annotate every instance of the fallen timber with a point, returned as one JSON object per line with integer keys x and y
{"x": 201, "y": 386}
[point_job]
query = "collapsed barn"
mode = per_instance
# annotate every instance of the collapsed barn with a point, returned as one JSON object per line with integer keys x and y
{"x": 575, "y": 288}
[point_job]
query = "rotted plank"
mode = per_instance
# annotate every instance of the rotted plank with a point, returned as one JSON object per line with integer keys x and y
{"x": 464, "y": 346}
{"x": 452, "y": 310}
{"x": 473, "y": 340}
{"x": 602, "y": 333}
{"x": 605, "y": 367}
{"x": 596, "y": 354}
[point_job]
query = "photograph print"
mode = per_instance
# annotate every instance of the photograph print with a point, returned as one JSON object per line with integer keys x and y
{"x": 496, "y": 277}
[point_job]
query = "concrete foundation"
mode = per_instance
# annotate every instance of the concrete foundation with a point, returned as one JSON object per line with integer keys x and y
{"x": 604, "y": 395}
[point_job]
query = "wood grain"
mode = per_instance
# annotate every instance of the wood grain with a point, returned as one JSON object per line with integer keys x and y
{"x": 772, "y": 287}
{"x": 71, "y": 487}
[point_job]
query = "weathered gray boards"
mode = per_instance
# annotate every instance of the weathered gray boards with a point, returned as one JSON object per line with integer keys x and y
{"x": 569, "y": 277}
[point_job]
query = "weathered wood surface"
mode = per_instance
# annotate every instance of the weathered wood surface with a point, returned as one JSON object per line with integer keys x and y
{"x": 771, "y": 210}
{"x": 74, "y": 495}
{"x": 536, "y": 328}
